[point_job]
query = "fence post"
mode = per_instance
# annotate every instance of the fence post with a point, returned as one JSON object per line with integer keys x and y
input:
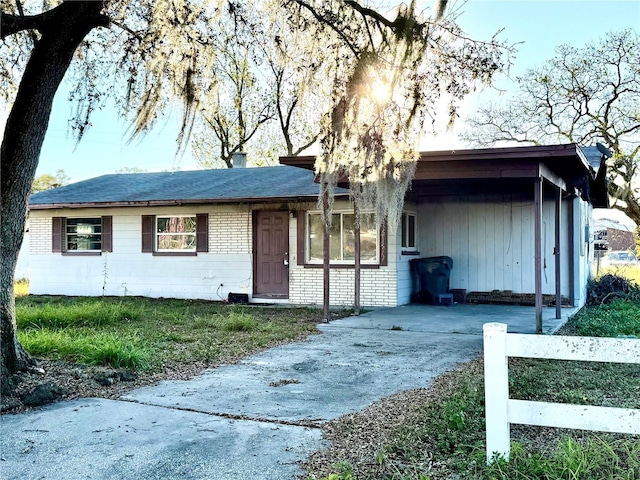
{"x": 496, "y": 390}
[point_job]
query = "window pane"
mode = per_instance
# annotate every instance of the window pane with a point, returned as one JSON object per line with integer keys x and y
{"x": 316, "y": 233}
{"x": 368, "y": 238}
{"x": 342, "y": 238}
{"x": 176, "y": 224}
{"x": 349, "y": 236}
{"x": 412, "y": 231}
{"x": 83, "y": 234}
{"x": 315, "y": 237}
{"x": 176, "y": 242}
{"x": 404, "y": 230}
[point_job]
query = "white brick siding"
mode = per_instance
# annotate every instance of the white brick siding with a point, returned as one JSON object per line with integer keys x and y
{"x": 39, "y": 235}
{"x": 377, "y": 286}
{"x": 230, "y": 232}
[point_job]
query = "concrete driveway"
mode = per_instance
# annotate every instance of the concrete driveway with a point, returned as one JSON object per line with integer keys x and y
{"x": 256, "y": 419}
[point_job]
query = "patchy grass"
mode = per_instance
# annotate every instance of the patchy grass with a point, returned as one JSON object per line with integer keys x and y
{"x": 143, "y": 333}
{"x": 630, "y": 272}
{"x": 442, "y": 434}
{"x": 619, "y": 318}
{"x": 99, "y": 348}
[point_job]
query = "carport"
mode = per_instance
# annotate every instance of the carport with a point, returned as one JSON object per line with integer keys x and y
{"x": 554, "y": 187}
{"x": 514, "y": 220}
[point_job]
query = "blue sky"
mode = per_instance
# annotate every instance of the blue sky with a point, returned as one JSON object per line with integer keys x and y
{"x": 541, "y": 25}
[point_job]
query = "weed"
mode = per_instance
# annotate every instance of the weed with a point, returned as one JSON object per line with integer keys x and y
{"x": 239, "y": 322}
{"x": 609, "y": 287}
{"x": 90, "y": 313}
{"x": 598, "y": 458}
{"x": 21, "y": 287}
{"x": 345, "y": 472}
{"x": 87, "y": 347}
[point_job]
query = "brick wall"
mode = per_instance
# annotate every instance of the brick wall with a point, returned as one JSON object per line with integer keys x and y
{"x": 377, "y": 286}
{"x": 230, "y": 232}
{"x": 40, "y": 236}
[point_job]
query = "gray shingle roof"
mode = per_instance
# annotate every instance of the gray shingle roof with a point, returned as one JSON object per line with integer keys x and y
{"x": 197, "y": 186}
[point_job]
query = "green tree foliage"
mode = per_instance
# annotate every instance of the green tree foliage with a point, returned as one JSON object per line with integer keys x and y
{"x": 46, "y": 181}
{"x": 582, "y": 95}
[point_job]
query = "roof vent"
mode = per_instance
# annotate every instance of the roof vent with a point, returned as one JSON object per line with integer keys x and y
{"x": 239, "y": 160}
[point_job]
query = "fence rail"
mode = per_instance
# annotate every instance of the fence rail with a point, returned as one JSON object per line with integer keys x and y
{"x": 501, "y": 411}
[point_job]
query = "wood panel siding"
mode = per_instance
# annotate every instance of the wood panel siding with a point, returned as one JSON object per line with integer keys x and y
{"x": 491, "y": 242}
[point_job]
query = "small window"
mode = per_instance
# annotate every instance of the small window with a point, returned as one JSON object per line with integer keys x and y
{"x": 408, "y": 231}
{"x": 83, "y": 234}
{"x": 342, "y": 238}
{"x": 176, "y": 234}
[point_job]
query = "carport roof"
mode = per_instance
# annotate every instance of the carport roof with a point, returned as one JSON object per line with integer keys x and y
{"x": 479, "y": 170}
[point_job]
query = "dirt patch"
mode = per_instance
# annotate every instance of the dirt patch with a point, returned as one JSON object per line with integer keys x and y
{"x": 65, "y": 381}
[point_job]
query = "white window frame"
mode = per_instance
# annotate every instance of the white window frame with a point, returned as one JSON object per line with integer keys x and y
{"x": 67, "y": 235}
{"x": 157, "y": 235}
{"x": 405, "y": 232}
{"x": 342, "y": 213}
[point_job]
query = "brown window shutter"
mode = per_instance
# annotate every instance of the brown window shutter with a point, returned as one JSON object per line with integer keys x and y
{"x": 301, "y": 237}
{"x": 383, "y": 244}
{"x": 148, "y": 222}
{"x": 107, "y": 237}
{"x": 202, "y": 232}
{"x": 56, "y": 234}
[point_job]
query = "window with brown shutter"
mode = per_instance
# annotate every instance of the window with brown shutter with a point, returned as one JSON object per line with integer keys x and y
{"x": 81, "y": 236}
{"x": 175, "y": 235}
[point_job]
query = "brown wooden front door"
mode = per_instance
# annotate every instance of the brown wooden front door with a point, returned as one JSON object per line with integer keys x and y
{"x": 271, "y": 260}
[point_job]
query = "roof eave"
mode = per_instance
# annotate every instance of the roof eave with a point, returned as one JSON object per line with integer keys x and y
{"x": 176, "y": 203}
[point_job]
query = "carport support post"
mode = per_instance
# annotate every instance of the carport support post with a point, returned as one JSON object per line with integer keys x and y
{"x": 557, "y": 252}
{"x": 496, "y": 390}
{"x": 326, "y": 244}
{"x": 537, "y": 197}
{"x": 356, "y": 266}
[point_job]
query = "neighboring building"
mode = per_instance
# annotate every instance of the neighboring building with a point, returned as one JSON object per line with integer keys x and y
{"x": 614, "y": 236}
{"x": 205, "y": 234}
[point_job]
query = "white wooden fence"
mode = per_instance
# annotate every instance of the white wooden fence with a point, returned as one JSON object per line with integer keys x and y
{"x": 501, "y": 411}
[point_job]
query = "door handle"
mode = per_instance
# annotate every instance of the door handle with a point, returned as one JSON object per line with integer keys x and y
{"x": 285, "y": 260}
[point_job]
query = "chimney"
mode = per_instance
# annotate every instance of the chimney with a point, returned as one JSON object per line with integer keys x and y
{"x": 239, "y": 160}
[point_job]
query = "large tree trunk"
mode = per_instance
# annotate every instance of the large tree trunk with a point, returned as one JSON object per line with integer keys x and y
{"x": 62, "y": 30}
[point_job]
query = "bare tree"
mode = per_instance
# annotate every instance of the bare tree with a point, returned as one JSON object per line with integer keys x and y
{"x": 239, "y": 103}
{"x": 582, "y": 95}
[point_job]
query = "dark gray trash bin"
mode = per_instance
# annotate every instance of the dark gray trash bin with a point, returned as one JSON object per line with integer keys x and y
{"x": 433, "y": 274}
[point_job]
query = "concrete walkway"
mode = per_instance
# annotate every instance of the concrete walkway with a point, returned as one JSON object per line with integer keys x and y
{"x": 256, "y": 419}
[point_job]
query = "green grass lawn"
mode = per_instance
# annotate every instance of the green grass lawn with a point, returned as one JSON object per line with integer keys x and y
{"x": 142, "y": 333}
{"x": 444, "y": 438}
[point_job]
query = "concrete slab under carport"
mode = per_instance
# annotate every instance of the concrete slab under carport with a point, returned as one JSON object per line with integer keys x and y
{"x": 465, "y": 318}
